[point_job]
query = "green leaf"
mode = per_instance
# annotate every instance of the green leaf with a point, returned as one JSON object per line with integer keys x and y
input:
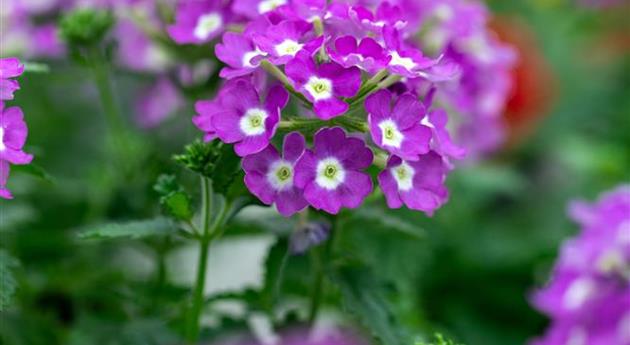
{"x": 132, "y": 230}
{"x": 389, "y": 220}
{"x": 178, "y": 206}
{"x": 439, "y": 340}
{"x": 33, "y": 170}
{"x": 363, "y": 297}
{"x": 8, "y": 285}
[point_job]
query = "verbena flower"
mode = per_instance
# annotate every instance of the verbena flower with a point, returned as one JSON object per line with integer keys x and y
{"x": 239, "y": 53}
{"x": 397, "y": 127}
{"x": 5, "y": 193}
{"x": 332, "y": 173}
{"x": 271, "y": 176}
{"x": 198, "y": 21}
{"x": 355, "y": 69}
{"x": 366, "y": 54}
{"x": 13, "y": 133}
{"x": 324, "y": 85}
{"x": 243, "y": 119}
{"x": 157, "y": 103}
{"x": 283, "y": 41}
{"x": 418, "y": 184}
{"x": 9, "y": 68}
{"x": 587, "y": 296}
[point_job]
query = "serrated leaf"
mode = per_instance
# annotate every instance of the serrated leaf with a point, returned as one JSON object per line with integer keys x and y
{"x": 8, "y": 284}
{"x": 439, "y": 340}
{"x": 178, "y": 205}
{"x": 363, "y": 298}
{"x": 133, "y": 229}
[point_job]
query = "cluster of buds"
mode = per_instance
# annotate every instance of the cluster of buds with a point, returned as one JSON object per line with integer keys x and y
{"x": 588, "y": 295}
{"x": 363, "y": 85}
{"x": 13, "y": 130}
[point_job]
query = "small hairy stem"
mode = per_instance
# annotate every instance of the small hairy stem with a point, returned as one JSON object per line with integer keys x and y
{"x": 192, "y": 326}
{"x": 278, "y": 74}
{"x": 319, "y": 30}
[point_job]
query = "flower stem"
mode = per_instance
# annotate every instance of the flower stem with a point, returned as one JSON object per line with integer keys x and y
{"x": 318, "y": 285}
{"x": 278, "y": 74}
{"x": 192, "y": 327}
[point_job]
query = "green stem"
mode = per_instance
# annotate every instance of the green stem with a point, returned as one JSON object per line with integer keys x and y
{"x": 318, "y": 285}
{"x": 278, "y": 74}
{"x": 113, "y": 116}
{"x": 192, "y": 329}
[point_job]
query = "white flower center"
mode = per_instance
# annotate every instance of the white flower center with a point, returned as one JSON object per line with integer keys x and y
{"x": 330, "y": 173}
{"x": 207, "y": 24}
{"x": 247, "y": 58}
{"x": 390, "y": 133}
{"x": 280, "y": 175}
{"x": 2, "y": 146}
{"x": 288, "y": 47}
{"x": 610, "y": 261}
{"x": 269, "y": 5}
{"x": 403, "y": 174}
{"x": 253, "y": 122}
{"x": 443, "y": 12}
{"x": 578, "y": 292}
{"x": 398, "y": 60}
{"x": 319, "y": 88}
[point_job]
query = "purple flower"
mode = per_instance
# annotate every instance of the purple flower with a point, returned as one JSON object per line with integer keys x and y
{"x": 4, "y": 176}
{"x": 366, "y": 54}
{"x": 386, "y": 14}
{"x": 240, "y": 54}
{"x": 398, "y": 128}
{"x": 283, "y": 41}
{"x": 405, "y": 61}
{"x": 243, "y": 119}
{"x": 198, "y": 22}
{"x": 9, "y": 68}
{"x": 270, "y": 176}
{"x": 331, "y": 174}
{"x": 307, "y": 236}
{"x": 13, "y": 132}
{"x": 324, "y": 85}
{"x": 442, "y": 142}
{"x": 587, "y": 297}
{"x": 157, "y": 103}
{"x": 417, "y": 184}
{"x": 254, "y": 8}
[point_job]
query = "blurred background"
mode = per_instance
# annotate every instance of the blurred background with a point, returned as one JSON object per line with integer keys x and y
{"x": 466, "y": 272}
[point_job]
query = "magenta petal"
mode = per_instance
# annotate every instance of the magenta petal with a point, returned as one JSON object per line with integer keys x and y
{"x": 260, "y": 161}
{"x": 250, "y": 145}
{"x": 329, "y": 108}
{"x": 355, "y": 154}
{"x": 322, "y": 199}
{"x": 10, "y": 68}
{"x": 305, "y": 169}
{"x": 355, "y": 188}
{"x": 301, "y": 68}
{"x": 227, "y": 126}
{"x": 378, "y": 106}
{"x": 291, "y": 201}
{"x": 346, "y": 45}
{"x": 258, "y": 185}
{"x": 294, "y": 146}
{"x": 390, "y": 189}
{"x": 329, "y": 141}
{"x": 277, "y": 98}
{"x": 408, "y": 111}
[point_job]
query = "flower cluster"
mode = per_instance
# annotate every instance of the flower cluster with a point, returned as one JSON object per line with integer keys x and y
{"x": 13, "y": 130}
{"x": 355, "y": 80}
{"x": 588, "y": 295}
